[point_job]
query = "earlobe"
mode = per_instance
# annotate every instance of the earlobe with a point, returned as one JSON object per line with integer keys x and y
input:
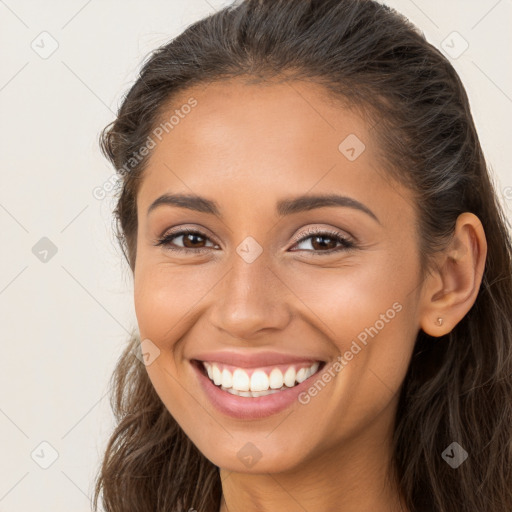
{"x": 451, "y": 290}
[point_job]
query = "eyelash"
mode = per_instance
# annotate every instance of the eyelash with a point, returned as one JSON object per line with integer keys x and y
{"x": 347, "y": 245}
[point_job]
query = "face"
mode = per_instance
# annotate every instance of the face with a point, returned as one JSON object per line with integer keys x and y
{"x": 272, "y": 275}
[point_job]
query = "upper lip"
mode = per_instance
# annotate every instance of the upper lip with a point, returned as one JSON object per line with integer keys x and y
{"x": 254, "y": 360}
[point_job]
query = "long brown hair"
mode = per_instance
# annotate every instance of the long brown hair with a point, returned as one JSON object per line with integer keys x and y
{"x": 458, "y": 387}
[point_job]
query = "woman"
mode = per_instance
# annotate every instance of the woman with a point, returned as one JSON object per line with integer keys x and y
{"x": 322, "y": 273}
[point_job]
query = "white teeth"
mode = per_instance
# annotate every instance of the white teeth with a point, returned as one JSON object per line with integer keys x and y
{"x": 251, "y": 393}
{"x": 289, "y": 377}
{"x": 217, "y": 376}
{"x": 276, "y": 379}
{"x": 301, "y": 375}
{"x": 240, "y": 380}
{"x": 264, "y": 393}
{"x": 227, "y": 379}
{"x": 259, "y": 383}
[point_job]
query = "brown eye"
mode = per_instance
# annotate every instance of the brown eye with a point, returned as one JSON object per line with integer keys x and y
{"x": 325, "y": 242}
{"x": 320, "y": 242}
{"x": 194, "y": 241}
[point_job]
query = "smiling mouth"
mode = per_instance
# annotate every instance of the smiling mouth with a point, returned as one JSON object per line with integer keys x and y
{"x": 256, "y": 382}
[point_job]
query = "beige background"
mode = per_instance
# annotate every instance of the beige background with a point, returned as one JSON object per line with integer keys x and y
{"x": 65, "y": 321}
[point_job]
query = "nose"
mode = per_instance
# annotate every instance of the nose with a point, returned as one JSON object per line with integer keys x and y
{"x": 251, "y": 300}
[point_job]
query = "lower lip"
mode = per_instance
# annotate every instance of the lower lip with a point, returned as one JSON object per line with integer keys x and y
{"x": 250, "y": 408}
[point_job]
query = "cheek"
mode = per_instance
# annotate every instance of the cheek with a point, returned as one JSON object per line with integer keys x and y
{"x": 162, "y": 300}
{"x": 352, "y": 297}
{"x": 166, "y": 299}
{"x": 368, "y": 313}
{"x": 375, "y": 368}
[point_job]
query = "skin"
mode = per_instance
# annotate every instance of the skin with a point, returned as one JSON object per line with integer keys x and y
{"x": 247, "y": 147}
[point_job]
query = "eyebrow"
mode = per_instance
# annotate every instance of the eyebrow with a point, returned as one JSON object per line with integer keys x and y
{"x": 284, "y": 206}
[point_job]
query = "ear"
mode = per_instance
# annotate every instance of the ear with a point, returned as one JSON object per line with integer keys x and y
{"x": 450, "y": 291}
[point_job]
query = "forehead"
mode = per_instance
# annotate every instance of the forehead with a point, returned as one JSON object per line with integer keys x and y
{"x": 269, "y": 139}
